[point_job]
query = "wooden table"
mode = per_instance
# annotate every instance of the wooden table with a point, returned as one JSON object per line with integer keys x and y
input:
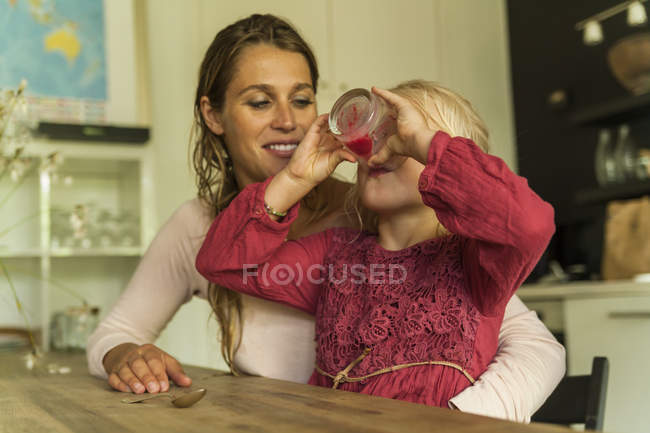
{"x": 37, "y": 401}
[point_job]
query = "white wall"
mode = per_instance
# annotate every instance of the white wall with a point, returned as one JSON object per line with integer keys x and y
{"x": 169, "y": 32}
{"x": 121, "y": 104}
{"x": 476, "y": 62}
{"x": 173, "y": 52}
{"x": 471, "y": 39}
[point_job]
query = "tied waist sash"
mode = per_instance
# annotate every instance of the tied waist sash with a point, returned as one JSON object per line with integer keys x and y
{"x": 342, "y": 376}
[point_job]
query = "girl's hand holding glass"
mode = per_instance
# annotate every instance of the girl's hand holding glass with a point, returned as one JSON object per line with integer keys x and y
{"x": 317, "y": 155}
{"x": 313, "y": 161}
{"x": 414, "y": 134}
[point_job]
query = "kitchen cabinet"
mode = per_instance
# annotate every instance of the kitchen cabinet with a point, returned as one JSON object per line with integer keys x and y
{"x": 77, "y": 231}
{"x": 382, "y": 42}
{"x": 357, "y": 43}
{"x": 610, "y": 319}
{"x": 311, "y": 19}
{"x": 618, "y": 328}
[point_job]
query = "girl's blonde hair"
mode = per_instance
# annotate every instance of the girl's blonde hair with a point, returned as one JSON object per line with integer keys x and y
{"x": 443, "y": 110}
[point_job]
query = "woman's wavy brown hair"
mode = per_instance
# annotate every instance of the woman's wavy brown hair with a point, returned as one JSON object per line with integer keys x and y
{"x": 214, "y": 177}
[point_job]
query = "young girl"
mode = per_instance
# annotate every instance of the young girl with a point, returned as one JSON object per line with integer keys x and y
{"x": 411, "y": 312}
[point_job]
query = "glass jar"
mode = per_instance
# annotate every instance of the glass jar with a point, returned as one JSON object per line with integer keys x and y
{"x": 71, "y": 328}
{"x": 625, "y": 159}
{"x": 362, "y": 121}
{"x": 626, "y": 155}
{"x": 605, "y": 162}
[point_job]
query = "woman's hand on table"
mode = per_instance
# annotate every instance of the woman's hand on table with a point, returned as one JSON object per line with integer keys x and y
{"x": 139, "y": 368}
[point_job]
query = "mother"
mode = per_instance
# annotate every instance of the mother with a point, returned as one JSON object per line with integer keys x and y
{"x": 254, "y": 102}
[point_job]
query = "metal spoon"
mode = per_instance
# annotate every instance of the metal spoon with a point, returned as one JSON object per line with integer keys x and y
{"x": 185, "y": 400}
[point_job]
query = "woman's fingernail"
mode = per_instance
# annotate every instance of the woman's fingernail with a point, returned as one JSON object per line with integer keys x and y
{"x": 152, "y": 386}
{"x": 138, "y": 387}
{"x": 164, "y": 386}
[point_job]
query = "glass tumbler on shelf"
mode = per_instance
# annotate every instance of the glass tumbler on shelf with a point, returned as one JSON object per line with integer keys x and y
{"x": 60, "y": 228}
{"x": 362, "y": 121}
{"x": 643, "y": 164}
{"x": 632, "y": 159}
{"x": 626, "y": 155}
{"x": 128, "y": 229}
{"x": 71, "y": 328}
{"x": 103, "y": 232}
{"x": 605, "y": 162}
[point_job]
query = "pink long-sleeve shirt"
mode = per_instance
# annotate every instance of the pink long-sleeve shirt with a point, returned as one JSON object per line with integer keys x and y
{"x": 439, "y": 300}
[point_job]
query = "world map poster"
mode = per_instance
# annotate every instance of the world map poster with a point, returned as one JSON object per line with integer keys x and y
{"x": 57, "y": 46}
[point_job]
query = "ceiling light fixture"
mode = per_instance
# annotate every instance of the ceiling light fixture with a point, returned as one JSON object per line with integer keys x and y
{"x": 592, "y": 29}
{"x": 636, "y": 14}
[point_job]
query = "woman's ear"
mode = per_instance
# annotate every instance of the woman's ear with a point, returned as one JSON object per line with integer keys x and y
{"x": 211, "y": 116}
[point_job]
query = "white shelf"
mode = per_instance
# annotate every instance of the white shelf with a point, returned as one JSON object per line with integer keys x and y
{"x": 20, "y": 254}
{"x": 106, "y": 185}
{"x": 97, "y": 252}
{"x": 73, "y": 252}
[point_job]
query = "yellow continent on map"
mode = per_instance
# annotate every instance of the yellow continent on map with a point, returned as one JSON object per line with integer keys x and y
{"x": 63, "y": 40}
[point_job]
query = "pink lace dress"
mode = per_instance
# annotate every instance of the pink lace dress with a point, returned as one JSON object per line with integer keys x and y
{"x": 441, "y": 300}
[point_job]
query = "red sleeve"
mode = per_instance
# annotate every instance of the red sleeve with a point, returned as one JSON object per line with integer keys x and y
{"x": 246, "y": 251}
{"x": 504, "y": 225}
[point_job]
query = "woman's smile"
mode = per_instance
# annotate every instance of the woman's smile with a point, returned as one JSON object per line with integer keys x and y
{"x": 282, "y": 148}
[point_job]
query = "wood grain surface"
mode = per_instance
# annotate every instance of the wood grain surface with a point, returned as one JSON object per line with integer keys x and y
{"x": 37, "y": 401}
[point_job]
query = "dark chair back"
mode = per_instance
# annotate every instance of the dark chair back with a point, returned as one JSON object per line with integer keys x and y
{"x": 578, "y": 399}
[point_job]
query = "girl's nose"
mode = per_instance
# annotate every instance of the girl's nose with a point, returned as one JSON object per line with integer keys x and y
{"x": 284, "y": 118}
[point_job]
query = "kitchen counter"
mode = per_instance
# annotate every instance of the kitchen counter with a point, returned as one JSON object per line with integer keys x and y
{"x": 583, "y": 289}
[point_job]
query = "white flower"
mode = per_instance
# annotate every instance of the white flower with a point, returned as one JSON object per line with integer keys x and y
{"x": 52, "y": 162}
{"x": 31, "y": 359}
